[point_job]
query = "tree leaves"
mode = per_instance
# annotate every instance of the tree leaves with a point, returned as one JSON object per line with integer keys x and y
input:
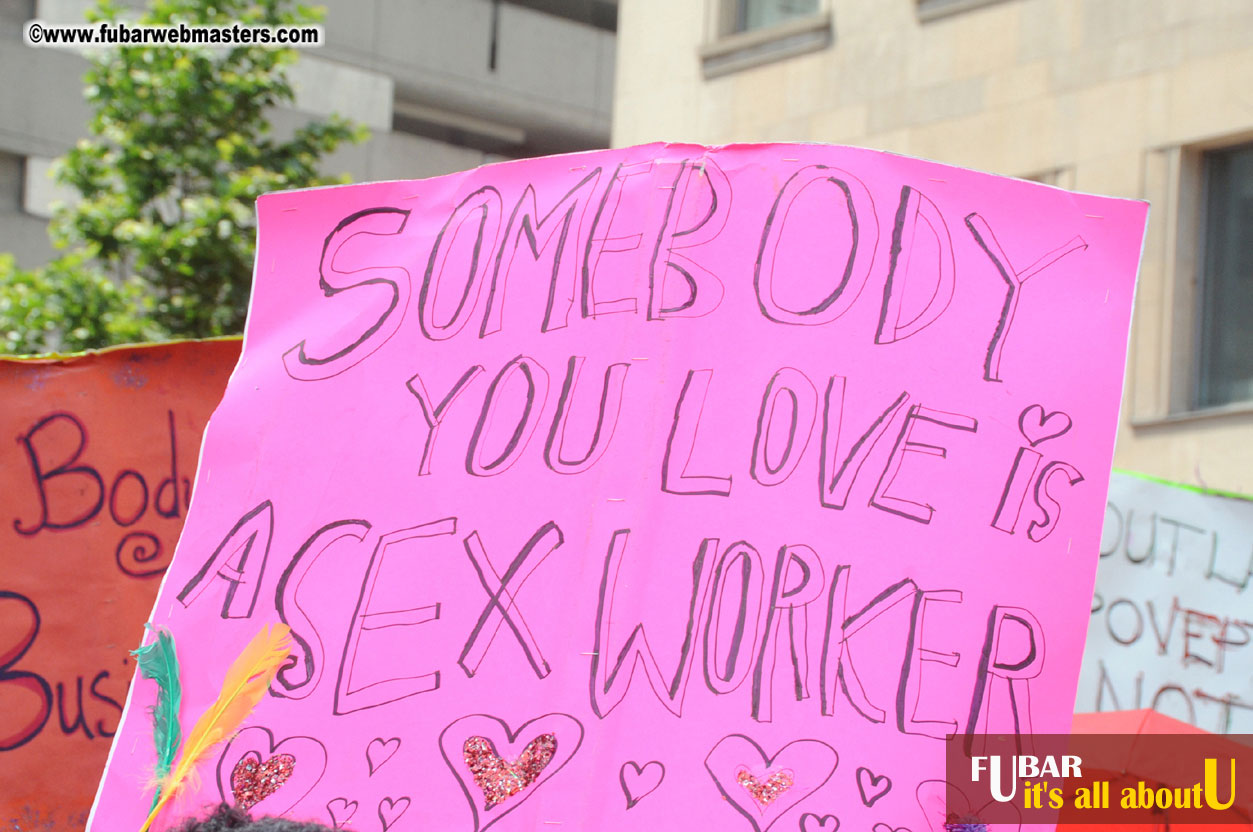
{"x": 162, "y": 242}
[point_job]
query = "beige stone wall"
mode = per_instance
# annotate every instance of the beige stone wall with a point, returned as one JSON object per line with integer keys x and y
{"x": 1116, "y": 97}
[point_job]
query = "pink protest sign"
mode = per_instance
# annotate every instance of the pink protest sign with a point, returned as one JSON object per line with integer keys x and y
{"x": 665, "y": 488}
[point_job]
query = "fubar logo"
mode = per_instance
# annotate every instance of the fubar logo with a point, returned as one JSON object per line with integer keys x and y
{"x": 1109, "y": 778}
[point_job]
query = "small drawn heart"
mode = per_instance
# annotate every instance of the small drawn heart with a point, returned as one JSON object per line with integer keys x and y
{"x": 391, "y": 810}
{"x": 883, "y": 827}
{"x": 813, "y": 823}
{"x": 872, "y": 786}
{"x": 253, "y": 780}
{"x": 341, "y": 811}
{"x": 1036, "y": 426}
{"x": 767, "y": 791}
{"x": 379, "y": 751}
{"x": 638, "y": 782}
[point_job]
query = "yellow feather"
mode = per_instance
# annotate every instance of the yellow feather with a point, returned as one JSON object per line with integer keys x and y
{"x": 246, "y": 683}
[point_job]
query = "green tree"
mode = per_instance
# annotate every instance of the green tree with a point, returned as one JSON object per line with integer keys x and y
{"x": 161, "y": 242}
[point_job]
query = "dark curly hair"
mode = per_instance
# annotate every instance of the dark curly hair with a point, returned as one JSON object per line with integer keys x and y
{"x": 226, "y": 817}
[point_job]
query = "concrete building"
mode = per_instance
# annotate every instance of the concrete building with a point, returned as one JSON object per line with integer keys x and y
{"x": 1149, "y": 99}
{"x": 444, "y": 85}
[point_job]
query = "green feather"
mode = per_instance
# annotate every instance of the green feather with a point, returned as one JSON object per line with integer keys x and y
{"x": 159, "y": 662}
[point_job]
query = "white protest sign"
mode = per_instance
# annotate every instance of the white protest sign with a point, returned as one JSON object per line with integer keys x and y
{"x": 1172, "y": 620}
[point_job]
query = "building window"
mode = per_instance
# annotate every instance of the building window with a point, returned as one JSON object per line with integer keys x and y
{"x": 763, "y": 14}
{"x": 1063, "y": 177}
{"x": 602, "y": 14}
{"x": 748, "y": 33}
{"x": 12, "y": 174}
{"x": 1225, "y": 342}
{"x": 931, "y": 9}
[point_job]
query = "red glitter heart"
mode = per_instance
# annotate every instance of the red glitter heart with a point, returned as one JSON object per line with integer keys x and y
{"x": 766, "y": 792}
{"x": 501, "y": 780}
{"x": 252, "y": 781}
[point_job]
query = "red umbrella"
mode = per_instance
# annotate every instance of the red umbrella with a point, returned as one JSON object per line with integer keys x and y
{"x": 1130, "y": 761}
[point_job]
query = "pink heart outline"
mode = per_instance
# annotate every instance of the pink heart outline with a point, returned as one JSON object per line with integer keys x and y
{"x": 310, "y": 756}
{"x": 812, "y": 763}
{"x": 566, "y": 728}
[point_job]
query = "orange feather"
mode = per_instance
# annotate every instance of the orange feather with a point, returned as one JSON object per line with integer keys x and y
{"x": 246, "y": 683}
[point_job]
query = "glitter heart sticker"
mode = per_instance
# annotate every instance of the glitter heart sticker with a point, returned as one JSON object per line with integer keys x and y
{"x": 252, "y": 780}
{"x": 767, "y": 791}
{"x": 500, "y": 779}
